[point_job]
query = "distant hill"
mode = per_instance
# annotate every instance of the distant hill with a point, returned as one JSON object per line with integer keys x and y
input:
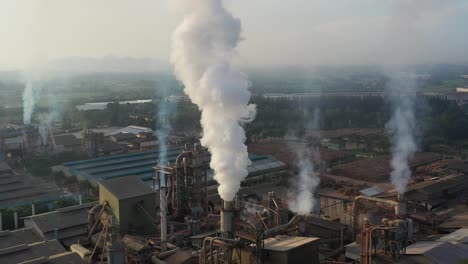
{"x": 109, "y": 64}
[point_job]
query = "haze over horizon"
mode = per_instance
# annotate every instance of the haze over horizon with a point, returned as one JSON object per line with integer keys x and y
{"x": 306, "y": 33}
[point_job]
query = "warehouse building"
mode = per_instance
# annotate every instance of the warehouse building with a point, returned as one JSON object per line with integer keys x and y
{"x": 65, "y": 224}
{"x": 141, "y": 165}
{"x": 19, "y": 189}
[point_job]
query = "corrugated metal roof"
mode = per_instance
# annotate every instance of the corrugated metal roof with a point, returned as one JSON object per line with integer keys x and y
{"x": 372, "y": 191}
{"x": 133, "y": 130}
{"x": 18, "y": 237}
{"x": 286, "y": 243}
{"x": 440, "y": 252}
{"x": 459, "y": 238}
{"x": 422, "y": 247}
{"x": 446, "y": 253}
{"x": 456, "y": 236}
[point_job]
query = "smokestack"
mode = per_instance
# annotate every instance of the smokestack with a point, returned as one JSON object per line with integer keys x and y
{"x": 400, "y": 209}
{"x": 33, "y": 209}
{"x": 227, "y": 214}
{"x": 163, "y": 209}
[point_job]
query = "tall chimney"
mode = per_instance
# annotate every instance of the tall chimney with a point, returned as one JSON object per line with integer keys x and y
{"x": 163, "y": 209}
{"x": 400, "y": 209}
{"x": 227, "y": 214}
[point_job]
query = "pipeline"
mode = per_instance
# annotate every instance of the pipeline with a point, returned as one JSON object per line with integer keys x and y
{"x": 277, "y": 229}
{"x": 91, "y": 215}
{"x": 167, "y": 253}
{"x": 400, "y": 206}
{"x": 219, "y": 241}
{"x": 163, "y": 208}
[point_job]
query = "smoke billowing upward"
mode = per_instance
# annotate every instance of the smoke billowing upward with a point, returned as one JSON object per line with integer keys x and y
{"x": 46, "y": 121}
{"x": 409, "y": 44}
{"x": 402, "y": 129}
{"x": 203, "y": 46}
{"x": 30, "y": 95}
{"x": 301, "y": 198}
{"x": 163, "y": 127}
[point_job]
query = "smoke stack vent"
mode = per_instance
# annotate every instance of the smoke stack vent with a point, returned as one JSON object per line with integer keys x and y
{"x": 227, "y": 214}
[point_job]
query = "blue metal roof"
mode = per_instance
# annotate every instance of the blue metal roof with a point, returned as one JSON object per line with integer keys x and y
{"x": 141, "y": 164}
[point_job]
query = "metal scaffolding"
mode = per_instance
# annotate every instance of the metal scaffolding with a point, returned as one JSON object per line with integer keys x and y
{"x": 186, "y": 183}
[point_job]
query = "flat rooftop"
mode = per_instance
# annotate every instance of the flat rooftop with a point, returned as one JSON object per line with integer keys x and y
{"x": 286, "y": 243}
{"x": 28, "y": 252}
{"x": 127, "y": 187}
{"x": 71, "y": 222}
{"x": 18, "y": 190}
{"x": 18, "y": 237}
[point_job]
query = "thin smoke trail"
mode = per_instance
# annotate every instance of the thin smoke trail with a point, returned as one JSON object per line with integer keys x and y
{"x": 301, "y": 197}
{"x": 163, "y": 127}
{"x": 203, "y": 46}
{"x": 402, "y": 128}
{"x": 29, "y": 100}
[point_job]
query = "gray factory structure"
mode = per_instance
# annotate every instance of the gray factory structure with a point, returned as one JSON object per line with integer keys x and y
{"x": 142, "y": 164}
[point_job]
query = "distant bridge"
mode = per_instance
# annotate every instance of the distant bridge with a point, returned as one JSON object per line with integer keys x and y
{"x": 453, "y": 96}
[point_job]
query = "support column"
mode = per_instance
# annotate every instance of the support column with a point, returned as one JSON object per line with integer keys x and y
{"x": 15, "y": 216}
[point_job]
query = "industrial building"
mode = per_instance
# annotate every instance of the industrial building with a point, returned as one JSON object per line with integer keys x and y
{"x": 141, "y": 165}
{"x": 433, "y": 193}
{"x": 50, "y": 251}
{"x": 66, "y": 224}
{"x": 19, "y": 189}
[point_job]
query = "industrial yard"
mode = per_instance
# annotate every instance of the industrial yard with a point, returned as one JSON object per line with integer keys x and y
{"x": 233, "y": 132}
{"x": 136, "y": 219}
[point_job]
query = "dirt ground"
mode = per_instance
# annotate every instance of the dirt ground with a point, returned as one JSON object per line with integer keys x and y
{"x": 286, "y": 151}
{"x": 378, "y": 169}
{"x": 351, "y": 132}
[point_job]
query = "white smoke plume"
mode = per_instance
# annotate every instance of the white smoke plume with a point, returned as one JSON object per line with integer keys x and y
{"x": 203, "y": 47}
{"x": 301, "y": 198}
{"x": 402, "y": 127}
{"x": 30, "y": 95}
{"x": 46, "y": 121}
{"x": 163, "y": 126}
{"x": 409, "y": 44}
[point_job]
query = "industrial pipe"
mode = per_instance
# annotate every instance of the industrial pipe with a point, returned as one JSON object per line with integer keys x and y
{"x": 167, "y": 253}
{"x": 92, "y": 212}
{"x": 276, "y": 229}
{"x": 163, "y": 208}
{"x": 400, "y": 206}
{"x": 220, "y": 241}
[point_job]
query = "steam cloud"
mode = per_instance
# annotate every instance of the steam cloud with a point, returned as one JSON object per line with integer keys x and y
{"x": 301, "y": 198}
{"x": 402, "y": 127}
{"x": 203, "y": 46}
{"x": 30, "y": 95}
{"x": 163, "y": 128}
{"x": 46, "y": 121}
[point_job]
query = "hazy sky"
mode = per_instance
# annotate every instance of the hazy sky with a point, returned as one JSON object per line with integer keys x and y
{"x": 275, "y": 31}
